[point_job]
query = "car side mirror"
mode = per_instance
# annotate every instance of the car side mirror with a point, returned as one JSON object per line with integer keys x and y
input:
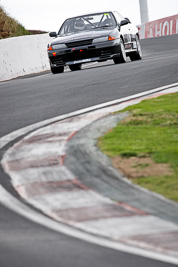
{"x": 128, "y": 20}
{"x": 124, "y": 22}
{"x": 53, "y": 34}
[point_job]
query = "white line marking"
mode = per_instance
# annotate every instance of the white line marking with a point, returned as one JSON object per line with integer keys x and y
{"x": 68, "y": 200}
{"x": 126, "y": 227}
{"x": 16, "y": 206}
{"x": 40, "y": 175}
{"x": 10, "y": 137}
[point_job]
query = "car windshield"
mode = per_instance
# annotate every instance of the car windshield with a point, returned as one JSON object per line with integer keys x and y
{"x": 88, "y": 22}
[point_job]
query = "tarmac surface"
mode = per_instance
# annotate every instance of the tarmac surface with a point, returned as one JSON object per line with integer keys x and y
{"x": 59, "y": 170}
{"x": 29, "y": 100}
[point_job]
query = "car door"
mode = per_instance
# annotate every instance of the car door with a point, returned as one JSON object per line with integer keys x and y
{"x": 125, "y": 30}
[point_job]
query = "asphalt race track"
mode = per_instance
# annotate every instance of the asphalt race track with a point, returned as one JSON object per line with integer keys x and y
{"x": 34, "y": 98}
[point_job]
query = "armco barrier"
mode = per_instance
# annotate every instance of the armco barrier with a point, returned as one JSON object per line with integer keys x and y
{"x": 161, "y": 27}
{"x": 23, "y": 55}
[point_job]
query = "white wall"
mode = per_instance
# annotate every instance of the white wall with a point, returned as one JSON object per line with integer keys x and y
{"x": 23, "y": 55}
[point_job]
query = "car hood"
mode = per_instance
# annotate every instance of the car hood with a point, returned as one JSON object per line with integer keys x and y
{"x": 95, "y": 33}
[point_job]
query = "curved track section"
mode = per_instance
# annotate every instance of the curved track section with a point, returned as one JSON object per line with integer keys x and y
{"x": 51, "y": 96}
{"x": 43, "y": 179}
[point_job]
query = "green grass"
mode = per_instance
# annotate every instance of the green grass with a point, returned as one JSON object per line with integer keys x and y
{"x": 151, "y": 130}
{"x": 10, "y": 27}
{"x": 165, "y": 185}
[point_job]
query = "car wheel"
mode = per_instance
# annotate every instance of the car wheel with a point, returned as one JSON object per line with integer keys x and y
{"x": 138, "y": 54}
{"x": 122, "y": 58}
{"x": 57, "y": 70}
{"x": 75, "y": 67}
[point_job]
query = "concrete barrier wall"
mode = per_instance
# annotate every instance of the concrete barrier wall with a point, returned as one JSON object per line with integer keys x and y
{"x": 23, "y": 55}
{"x": 161, "y": 27}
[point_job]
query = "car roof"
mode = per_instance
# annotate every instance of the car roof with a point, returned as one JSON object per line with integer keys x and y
{"x": 92, "y": 13}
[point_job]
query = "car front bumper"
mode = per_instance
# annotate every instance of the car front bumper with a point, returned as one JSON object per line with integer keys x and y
{"x": 84, "y": 54}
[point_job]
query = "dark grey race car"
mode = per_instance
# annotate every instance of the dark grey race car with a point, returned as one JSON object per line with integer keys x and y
{"x": 93, "y": 37}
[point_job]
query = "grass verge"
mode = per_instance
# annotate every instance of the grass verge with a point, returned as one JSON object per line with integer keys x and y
{"x": 144, "y": 146}
{"x": 10, "y": 27}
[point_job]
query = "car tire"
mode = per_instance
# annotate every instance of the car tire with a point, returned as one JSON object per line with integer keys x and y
{"x": 122, "y": 58}
{"x": 75, "y": 67}
{"x": 57, "y": 70}
{"x": 138, "y": 54}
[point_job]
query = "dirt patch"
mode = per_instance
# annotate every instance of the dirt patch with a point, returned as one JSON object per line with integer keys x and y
{"x": 135, "y": 167}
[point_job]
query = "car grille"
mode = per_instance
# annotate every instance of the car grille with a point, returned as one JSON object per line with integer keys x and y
{"x": 79, "y": 43}
{"x": 57, "y": 61}
{"x": 105, "y": 53}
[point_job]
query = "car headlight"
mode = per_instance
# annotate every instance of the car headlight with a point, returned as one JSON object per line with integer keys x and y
{"x": 100, "y": 39}
{"x": 58, "y": 46}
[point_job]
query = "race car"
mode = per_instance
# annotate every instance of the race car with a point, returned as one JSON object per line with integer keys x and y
{"x": 93, "y": 37}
